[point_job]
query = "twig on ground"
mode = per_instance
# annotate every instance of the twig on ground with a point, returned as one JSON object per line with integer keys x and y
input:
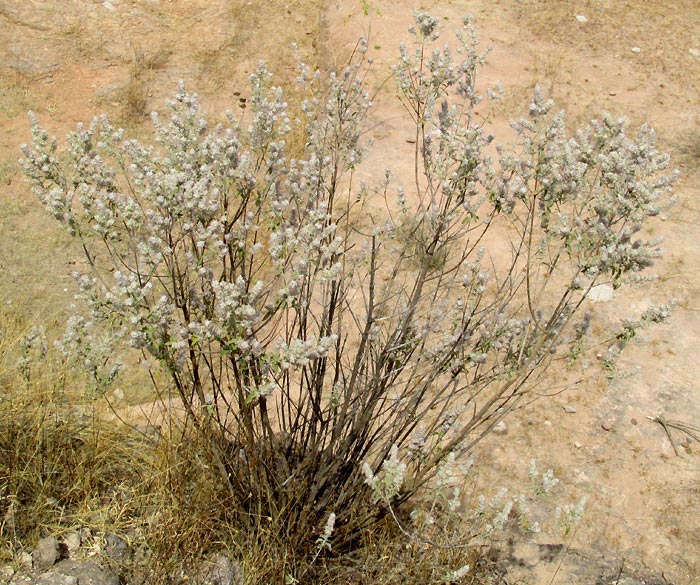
{"x": 690, "y": 430}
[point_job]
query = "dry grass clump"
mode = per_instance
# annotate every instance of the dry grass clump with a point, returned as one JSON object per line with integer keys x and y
{"x": 134, "y": 98}
{"x": 65, "y": 466}
{"x": 59, "y": 464}
{"x": 688, "y": 145}
{"x": 15, "y": 97}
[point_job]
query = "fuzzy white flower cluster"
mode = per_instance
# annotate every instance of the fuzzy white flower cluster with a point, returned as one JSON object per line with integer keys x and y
{"x": 302, "y": 352}
{"x": 541, "y": 484}
{"x": 387, "y": 485}
{"x": 176, "y": 233}
{"x": 569, "y": 515}
{"x": 33, "y": 345}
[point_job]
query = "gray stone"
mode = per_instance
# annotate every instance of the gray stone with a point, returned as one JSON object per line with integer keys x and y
{"x": 569, "y": 409}
{"x": 500, "y": 428}
{"x": 116, "y": 548}
{"x": 72, "y": 541}
{"x": 623, "y": 578}
{"x": 87, "y": 572}
{"x": 52, "y": 578}
{"x": 601, "y": 293}
{"x": 25, "y": 559}
{"x": 220, "y": 570}
{"x": 46, "y": 553}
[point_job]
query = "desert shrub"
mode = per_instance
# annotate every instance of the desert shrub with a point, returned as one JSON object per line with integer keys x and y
{"x": 332, "y": 369}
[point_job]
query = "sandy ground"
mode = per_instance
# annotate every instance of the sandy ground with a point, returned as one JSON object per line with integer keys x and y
{"x": 72, "y": 59}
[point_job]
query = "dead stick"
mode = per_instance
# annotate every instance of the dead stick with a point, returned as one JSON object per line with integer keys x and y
{"x": 662, "y": 421}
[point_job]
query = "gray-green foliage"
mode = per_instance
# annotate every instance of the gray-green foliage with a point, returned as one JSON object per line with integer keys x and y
{"x": 303, "y": 347}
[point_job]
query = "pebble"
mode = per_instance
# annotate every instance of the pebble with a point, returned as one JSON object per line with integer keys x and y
{"x": 116, "y": 548}
{"x": 581, "y": 18}
{"x": 25, "y": 560}
{"x": 52, "y": 578}
{"x": 601, "y": 293}
{"x": 500, "y": 428}
{"x": 577, "y": 445}
{"x": 569, "y": 409}
{"x": 46, "y": 553}
{"x": 548, "y": 423}
{"x": 635, "y": 50}
{"x": 72, "y": 541}
{"x": 606, "y": 426}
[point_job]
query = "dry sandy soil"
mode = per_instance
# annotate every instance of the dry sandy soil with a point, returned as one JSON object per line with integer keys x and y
{"x": 71, "y": 59}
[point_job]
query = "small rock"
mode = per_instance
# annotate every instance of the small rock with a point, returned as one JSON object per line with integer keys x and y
{"x": 577, "y": 445}
{"x": 634, "y": 421}
{"x": 623, "y": 578}
{"x": 612, "y": 93}
{"x": 25, "y": 559}
{"x": 52, "y": 578}
{"x": 583, "y": 477}
{"x": 72, "y": 541}
{"x": 602, "y": 292}
{"x": 116, "y": 548}
{"x": 569, "y": 409}
{"x": 220, "y": 570}
{"x": 581, "y": 18}
{"x": 694, "y": 53}
{"x": 46, "y": 553}
{"x": 548, "y": 423}
{"x": 635, "y": 50}
{"x": 86, "y": 572}
{"x": 500, "y": 428}
{"x": 606, "y": 426}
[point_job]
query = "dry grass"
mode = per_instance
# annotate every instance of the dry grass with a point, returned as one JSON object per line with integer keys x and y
{"x": 135, "y": 94}
{"x": 688, "y": 146}
{"x": 15, "y": 95}
{"x": 64, "y": 467}
{"x": 59, "y": 465}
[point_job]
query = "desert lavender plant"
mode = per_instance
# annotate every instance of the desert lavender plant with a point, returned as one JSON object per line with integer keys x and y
{"x": 317, "y": 358}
